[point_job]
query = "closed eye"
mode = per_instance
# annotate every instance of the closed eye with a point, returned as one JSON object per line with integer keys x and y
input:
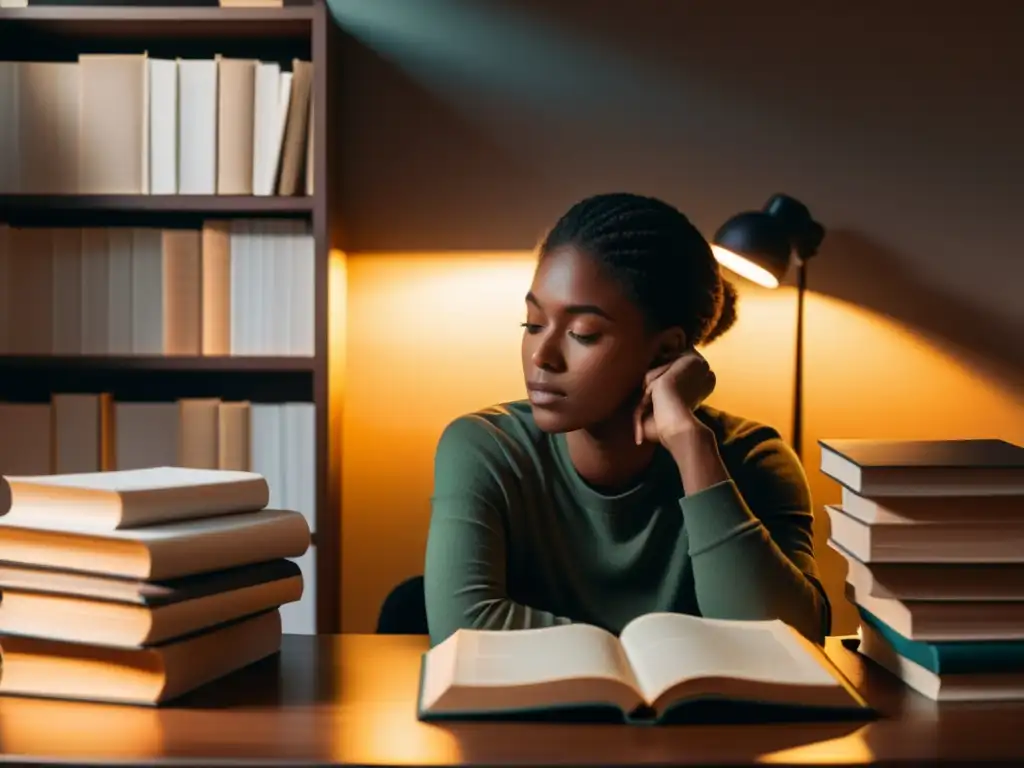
{"x": 585, "y": 338}
{"x": 582, "y": 338}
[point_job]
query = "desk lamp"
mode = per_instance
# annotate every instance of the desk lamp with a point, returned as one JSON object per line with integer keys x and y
{"x": 759, "y": 245}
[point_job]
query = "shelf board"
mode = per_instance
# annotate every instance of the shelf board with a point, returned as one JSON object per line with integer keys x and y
{"x": 219, "y": 204}
{"x": 142, "y": 363}
{"x": 117, "y": 20}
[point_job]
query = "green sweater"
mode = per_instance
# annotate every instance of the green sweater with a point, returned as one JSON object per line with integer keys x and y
{"x": 519, "y": 540}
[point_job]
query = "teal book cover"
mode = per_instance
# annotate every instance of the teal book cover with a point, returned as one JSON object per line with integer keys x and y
{"x": 952, "y": 658}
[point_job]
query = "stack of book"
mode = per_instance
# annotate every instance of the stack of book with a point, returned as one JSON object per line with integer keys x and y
{"x": 143, "y": 585}
{"x": 933, "y": 534}
{"x": 84, "y": 432}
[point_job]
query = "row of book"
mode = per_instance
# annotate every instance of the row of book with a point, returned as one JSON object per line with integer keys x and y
{"x": 78, "y": 433}
{"x": 933, "y": 536}
{"x": 241, "y": 287}
{"x": 87, "y": 432}
{"x": 129, "y": 124}
{"x": 221, "y": 3}
{"x": 139, "y": 586}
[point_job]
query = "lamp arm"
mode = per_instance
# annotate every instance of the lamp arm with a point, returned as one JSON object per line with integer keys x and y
{"x": 798, "y": 378}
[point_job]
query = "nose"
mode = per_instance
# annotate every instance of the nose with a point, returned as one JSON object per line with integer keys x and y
{"x": 547, "y": 355}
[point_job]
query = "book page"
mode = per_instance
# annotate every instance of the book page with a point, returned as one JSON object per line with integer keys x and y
{"x": 530, "y": 656}
{"x": 495, "y": 670}
{"x": 665, "y": 649}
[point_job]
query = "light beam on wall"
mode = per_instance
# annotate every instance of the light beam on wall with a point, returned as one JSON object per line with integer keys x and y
{"x": 527, "y": 64}
{"x": 490, "y": 47}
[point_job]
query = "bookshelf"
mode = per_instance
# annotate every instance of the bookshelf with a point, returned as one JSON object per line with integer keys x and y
{"x": 300, "y": 30}
{"x": 296, "y": 19}
{"x": 156, "y": 363}
{"x": 20, "y": 207}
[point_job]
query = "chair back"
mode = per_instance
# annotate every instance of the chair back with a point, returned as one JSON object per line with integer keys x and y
{"x": 404, "y": 611}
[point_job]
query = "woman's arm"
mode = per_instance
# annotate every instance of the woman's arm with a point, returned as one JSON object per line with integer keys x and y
{"x": 750, "y": 535}
{"x": 465, "y": 568}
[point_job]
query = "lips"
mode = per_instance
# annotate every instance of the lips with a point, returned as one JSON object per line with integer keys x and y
{"x": 544, "y": 394}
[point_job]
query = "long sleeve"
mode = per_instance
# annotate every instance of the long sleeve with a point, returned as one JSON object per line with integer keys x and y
{"x": 751, "y": 543}
{"x": 465, "y": 569}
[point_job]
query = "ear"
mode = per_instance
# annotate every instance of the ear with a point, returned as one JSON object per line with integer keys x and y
{"x": 671, "y": 344}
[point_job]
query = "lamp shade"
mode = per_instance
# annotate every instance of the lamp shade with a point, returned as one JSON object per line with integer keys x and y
{"x": 758, "y": 245}
{"x": 754, "y": 245}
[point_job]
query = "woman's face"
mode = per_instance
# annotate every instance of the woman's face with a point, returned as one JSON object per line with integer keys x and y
{"x": 586, "y": 347}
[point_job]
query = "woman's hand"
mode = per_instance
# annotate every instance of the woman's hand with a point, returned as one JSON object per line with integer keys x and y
{"x": 671, "y": 393}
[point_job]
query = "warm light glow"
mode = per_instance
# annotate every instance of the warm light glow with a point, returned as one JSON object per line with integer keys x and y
{"x": 744, "y": 267}
{"x": 391, "y": 735}
{"x": 432, "y": 336}
{"x": 337, "y": 345}
{"x": 89, "y": 732}
{"x": 759, "y": 348}
{"x": 383, "y": 729}
{"x": 852, "y": 749}
{"x": 869, "y": 376}
{"x": 337, "y": 314}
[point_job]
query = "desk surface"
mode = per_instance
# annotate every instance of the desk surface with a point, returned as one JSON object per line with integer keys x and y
{"x": 350, "y": 700}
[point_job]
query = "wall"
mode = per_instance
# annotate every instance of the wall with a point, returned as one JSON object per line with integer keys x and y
{"x": 468, "y": 129}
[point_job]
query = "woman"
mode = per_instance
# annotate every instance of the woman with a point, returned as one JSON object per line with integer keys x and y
{"x": 613, "y": 492}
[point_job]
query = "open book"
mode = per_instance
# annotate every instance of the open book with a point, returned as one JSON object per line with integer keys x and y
{"x": 659, "y": 663}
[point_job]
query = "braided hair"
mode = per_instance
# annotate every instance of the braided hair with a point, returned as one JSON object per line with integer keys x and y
{"x": 660, "y": 259}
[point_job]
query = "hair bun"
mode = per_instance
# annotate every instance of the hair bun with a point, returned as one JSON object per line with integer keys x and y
{"x": 726, "y": 316}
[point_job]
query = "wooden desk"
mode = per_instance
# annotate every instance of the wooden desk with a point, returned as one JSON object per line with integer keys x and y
{"x": 350, "y": 700}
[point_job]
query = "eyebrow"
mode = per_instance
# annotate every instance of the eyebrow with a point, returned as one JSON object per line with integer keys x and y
{"x": 573, "y": 309}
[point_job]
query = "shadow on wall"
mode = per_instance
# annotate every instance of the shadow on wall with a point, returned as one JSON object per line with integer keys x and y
{"x": 419, "y": 174}
{"x": 853, "y": 268}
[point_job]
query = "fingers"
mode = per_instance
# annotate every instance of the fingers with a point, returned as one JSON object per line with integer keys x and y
{"x": 641, "y": 421}
{"x": 711, "y": 382}
{"x": 683, "y": 359}
{"x": 644, "y": 426}
{"x": 650, "y": 429}
{"x": 636, "y": 420}
{"x": 644, "y": 407}
{"x": 653, "y": 374}
{"x": 640, "y": 414}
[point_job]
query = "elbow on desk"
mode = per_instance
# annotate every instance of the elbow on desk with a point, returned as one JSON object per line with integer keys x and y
{"x": 806, "y": 609}
{"x": 445, "y": 618}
